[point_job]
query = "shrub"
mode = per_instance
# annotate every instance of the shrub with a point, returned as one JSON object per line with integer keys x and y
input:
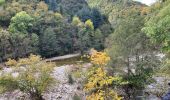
{"x": 76, "y": 74}
{"x": 70, "y": 79}
{"x": 2, "y": 2}
{"x": 7, "y": 83}
{"x": 98, "y": 84}
{"x": 11, "y": 62}
{"x": 34, "y": 77}
{"x": 76, "y": 97}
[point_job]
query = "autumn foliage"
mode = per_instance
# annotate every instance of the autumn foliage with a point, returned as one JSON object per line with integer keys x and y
{"x": 98, "y": 83}
{"x": 33, "y": 76}
{"x": 99, "y": 58}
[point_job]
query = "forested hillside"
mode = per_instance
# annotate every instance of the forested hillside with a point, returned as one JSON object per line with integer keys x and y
{"x": 124, "y": 47}
{"x": 57, "y": 27}
{"x": 50, "y": 29}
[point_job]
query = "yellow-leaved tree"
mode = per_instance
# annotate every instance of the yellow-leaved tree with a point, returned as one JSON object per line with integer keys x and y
{"x": 99, "y": 83}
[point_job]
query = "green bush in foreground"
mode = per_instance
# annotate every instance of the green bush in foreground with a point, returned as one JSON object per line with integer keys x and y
{"x": 33, "y": 78}
{"x": 2, "y": 2}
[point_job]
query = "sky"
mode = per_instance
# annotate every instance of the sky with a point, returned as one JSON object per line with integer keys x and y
{"x": 148, "y": 2}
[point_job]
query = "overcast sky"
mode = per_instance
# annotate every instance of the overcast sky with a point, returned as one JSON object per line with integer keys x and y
{"x": 148, "y": 2}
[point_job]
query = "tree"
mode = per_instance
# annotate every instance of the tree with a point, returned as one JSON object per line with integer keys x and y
{"x": 11, "y": 7}
{"x": 41, "y": 8}
{"x": 157, "y": 27}
{"x": 71, "y": 7}
{"x": 27, "y": 21}
{"x": 22, "y": 40}
{"x": 76, "y": 21}
{"x": 84, "y": 14}
{"x": 4, "y": 44}
{"x": 105, "y": 6}
{"x": 52, "y": 4}
{"x": 89, "y": 25}
{"x": 2, "y": 2}
{"x": 92, "y": 14}
{"x": 85, "y": 36}
{"x": 128, "y": 50}
{"x": 97, "y": 18}
{"x": 98, "y": 81}
{"x": 98, "y": 40}
{"x": 21, "y": 23}
{"x": 49, "y": 45}
{"x": 23, "y": 44}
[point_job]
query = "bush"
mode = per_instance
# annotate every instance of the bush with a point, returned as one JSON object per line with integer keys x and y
{"x": 2, "y": 2}
{"x": 33, "y": 78}
{"x": 76, "y": 97}
{"x": 99, "y": 82}
{"x": 11, "y": 62}
{"x": 70, "y": 79}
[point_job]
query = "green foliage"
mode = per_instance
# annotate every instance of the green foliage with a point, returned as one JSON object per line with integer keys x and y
{"x": 165, "y": 69}
{"x": 35, "y": 28}
{"x": 4, "y": 43}
{"x": 89, "y": 24}
{"x": 76, "y": 21}
{"x": 7, "y": 83}
{"x": 105, "y": 6}
{"x": 48, "y": 42}
{"x": 77, "y": 74}
{"x": 98, "y": 41}
{"x": 16, "y": 44}
{"x": 52, "y": 4}
{"x": 76, "y": 97}
{"x": 157, "y": 27}
{"x": 132, "y": 54}
{"x": 93, "y": 14}
{"x": 70, "y": 79}
{"x": 58, "y": 16}
{"x": 124, "y": 42}
{"x": 83, "y": 39}
{"x": 21, "y": 23}
{"x": 58, "y": 27}
{"x": 2, "y": 2}
{"x": 71, "y": 7}
{"x": 142, "y": 78}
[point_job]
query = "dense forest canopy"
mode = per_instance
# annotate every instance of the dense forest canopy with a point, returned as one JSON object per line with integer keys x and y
{"x": 129, "y": 37}
{"x": 46, "y": 27}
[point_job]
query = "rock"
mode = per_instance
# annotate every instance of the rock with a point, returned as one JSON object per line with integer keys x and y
{"x": 15, "y": 74}
{"x": 158, "y": 88}
{"x": 15, "y": 95}
{"x": 152, "y": 97}
{"x": 63, "y": 90}
{"x": 7, "y": 70}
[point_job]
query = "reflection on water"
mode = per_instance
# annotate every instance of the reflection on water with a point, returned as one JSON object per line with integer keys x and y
{"x": 74, "y": 60}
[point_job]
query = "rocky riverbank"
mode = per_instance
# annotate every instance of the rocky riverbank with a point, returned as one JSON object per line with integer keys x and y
{"x": 61, "y": 90}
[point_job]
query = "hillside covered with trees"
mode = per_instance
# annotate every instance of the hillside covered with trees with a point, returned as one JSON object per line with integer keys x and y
{"x": 124, "y": 47}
